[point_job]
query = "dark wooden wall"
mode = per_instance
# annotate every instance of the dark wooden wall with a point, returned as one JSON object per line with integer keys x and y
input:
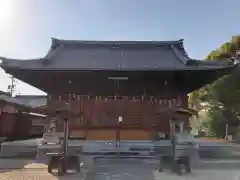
{"x": 139, "y": 101}
{"x": 137, "y": 114}
{"x": 15, "y": 126}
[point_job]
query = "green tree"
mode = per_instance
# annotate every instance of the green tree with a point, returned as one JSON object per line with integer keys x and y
{"x": 222, "y": 98}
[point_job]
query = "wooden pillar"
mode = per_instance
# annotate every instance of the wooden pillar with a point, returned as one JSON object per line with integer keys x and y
{"x": 65, "y": 140}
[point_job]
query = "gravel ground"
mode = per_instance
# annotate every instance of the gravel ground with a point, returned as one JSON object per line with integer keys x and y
{"x": 29, "y": 170}
{"x": 31, "y": 174}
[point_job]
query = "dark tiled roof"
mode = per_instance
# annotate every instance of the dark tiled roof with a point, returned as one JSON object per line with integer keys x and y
{"x": 12, "y": 100}
{"x": 4, "y": 93}
{"x": 114, "y": 55}
{"x": 32, "y": 100}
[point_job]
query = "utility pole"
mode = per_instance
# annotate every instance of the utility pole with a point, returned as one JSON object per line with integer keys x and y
{"x": 12, "y": 86}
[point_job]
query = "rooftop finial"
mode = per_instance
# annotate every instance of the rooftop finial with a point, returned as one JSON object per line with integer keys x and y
{"x": 55, "y": 43}
{"x": 2, "y": 60}
{"x": 181, "y": 42}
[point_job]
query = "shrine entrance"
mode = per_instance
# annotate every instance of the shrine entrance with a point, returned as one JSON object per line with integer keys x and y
{"x": 98, "y": 120}
{"x": 137, "y": 106}
{"x": 106, "y": 111}
{"x": 107, "y": 126}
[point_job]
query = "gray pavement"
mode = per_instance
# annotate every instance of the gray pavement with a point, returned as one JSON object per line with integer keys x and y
{"x": 121, "y": 169}
{"x": 110, "y": 169}
{"x": 135, "y": 169}
{"x": 116, "y": 169}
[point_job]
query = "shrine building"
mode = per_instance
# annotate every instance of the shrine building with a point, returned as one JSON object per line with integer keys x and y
{"x": 105, "y": 80}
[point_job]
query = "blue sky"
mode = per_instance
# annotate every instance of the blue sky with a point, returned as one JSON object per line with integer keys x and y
{"x": 26, "y": 26}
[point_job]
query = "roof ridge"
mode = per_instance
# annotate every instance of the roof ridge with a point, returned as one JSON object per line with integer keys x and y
{"x": 56, "y": 41}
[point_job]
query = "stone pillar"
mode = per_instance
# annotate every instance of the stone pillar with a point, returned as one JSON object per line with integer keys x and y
{"x": 181, "y": 127}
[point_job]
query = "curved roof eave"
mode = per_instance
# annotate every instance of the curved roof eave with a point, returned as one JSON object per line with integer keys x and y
{"x": 6, "y": 67}
{"x": 20, "y": 63}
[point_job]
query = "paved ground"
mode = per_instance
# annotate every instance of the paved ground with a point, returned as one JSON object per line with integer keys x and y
{"x": 142, "y": 170}
{"x": 132, "y": 174}
{"x": 122, "y": 170}
{"x": 110, "y": 169}
{"x": 11, "y": 169}
{"x": 200, "y": 175}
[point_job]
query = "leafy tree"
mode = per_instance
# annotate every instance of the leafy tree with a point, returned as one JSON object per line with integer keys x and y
{"x": 222, "y": 98}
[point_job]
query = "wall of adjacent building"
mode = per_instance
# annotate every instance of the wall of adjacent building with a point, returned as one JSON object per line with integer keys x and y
{"x": 14, "y": 125}
{"x": 38, "y": 123}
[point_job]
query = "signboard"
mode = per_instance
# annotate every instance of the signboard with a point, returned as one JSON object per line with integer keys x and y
{"x": 120, "y": 119}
